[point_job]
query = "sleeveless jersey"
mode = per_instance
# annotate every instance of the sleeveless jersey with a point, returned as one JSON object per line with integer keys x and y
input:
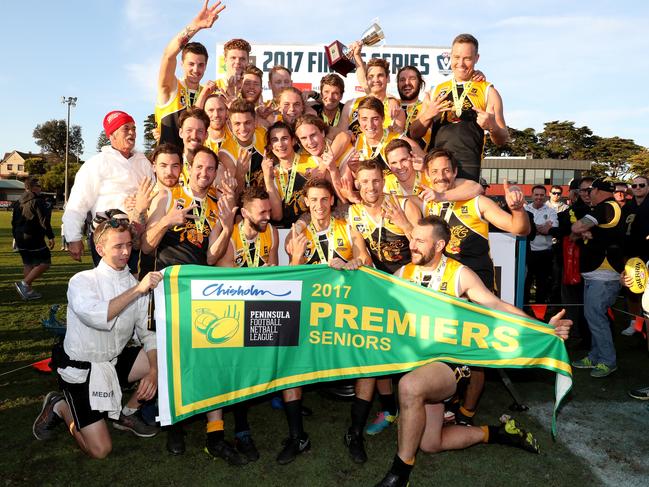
{"x": 462, "y": 135}
{"x": 386, "y": 242}
{"x": 166, "y": 116}
{"x": 339, "y": 236}
{"x": 319, "y": 110}
{"x": 293, "y": 205}
{"x": 188, "y": 243}
{"x": 262, "y": 244}
{"x": 393, "y": 186}
{"x": 256, "y": 148}
{"x": 469, "y": 241}
{"x": 412, "y": 112}
{"x": 377, "y": 152}
{"x": 445, "y": 278}
{"x": 354, "y": 125}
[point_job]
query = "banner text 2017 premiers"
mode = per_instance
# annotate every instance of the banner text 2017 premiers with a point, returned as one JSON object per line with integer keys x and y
{"x": 226, "y": 335}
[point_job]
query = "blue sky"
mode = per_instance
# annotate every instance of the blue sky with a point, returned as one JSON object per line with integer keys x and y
{"x": 550, "y": 60}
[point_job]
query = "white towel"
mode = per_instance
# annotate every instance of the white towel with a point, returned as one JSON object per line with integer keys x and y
{"x": 104, "y": 391}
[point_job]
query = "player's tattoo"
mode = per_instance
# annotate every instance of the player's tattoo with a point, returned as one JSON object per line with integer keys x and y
{"x": 186, "y": 34}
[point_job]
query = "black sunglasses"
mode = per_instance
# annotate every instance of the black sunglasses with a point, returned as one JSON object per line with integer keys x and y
{"x": 555, "y": 192}
{"x": 112, "y": 223}
{"x": 638, "y": 185}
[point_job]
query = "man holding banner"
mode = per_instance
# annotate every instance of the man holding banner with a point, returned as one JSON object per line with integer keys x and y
{"x": 423, "y": 391}
{"x": 324, "y": 240}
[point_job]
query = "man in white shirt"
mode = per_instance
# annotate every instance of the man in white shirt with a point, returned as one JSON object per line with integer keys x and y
{"x": 105, "y": 181}
{"x": 106, "y": 305}
{"x": 539, "y": 260}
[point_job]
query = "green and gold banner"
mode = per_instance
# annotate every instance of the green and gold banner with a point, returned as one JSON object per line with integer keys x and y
{"x": 226, "y": 335}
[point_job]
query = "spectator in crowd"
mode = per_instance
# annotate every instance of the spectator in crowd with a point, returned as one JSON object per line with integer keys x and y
{"x": 539, "y": 260}
{"x": 620, "y": 194}
{"x": 555, "y": 202}
{"x": 30, "y": 225}
{"x": 601, "y": 236}
{"x": 641, "y": 393}
{"x": 636, "y": 219}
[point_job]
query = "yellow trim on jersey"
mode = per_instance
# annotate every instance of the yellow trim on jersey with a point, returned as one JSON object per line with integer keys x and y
{"x": 476, "y": 98}
{"x": 305, "y": 164}
{"x": 393, "y": 186}
{"x": 617, "y": 214}
{"x": 450, "y": 283}
{"x": 361, "y": 144}
{"x": 176, "y": 103}
{"x": 266, "y": 243}
{"x": 341, "y": 238}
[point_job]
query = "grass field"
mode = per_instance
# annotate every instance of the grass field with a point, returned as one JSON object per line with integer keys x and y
{"x": 602, "y": 432}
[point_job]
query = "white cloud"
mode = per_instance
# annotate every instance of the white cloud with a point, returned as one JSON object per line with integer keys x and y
{"x": 143, "y": 78}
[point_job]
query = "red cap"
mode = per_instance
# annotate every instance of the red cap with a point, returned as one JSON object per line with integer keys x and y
{"x": 114, "y": 120}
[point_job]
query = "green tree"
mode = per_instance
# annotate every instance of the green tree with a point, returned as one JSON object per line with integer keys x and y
{"x": 54, "y": 179}
{"x": 612, "y": 156}
{"x": 149, "y": 139}
{"x": 639, "y": 162}
{"x": 102, "y": 140}
{"x": 562, "y": 140}
{"x": 50, "y": 137}
{"x": 35, "y": 166}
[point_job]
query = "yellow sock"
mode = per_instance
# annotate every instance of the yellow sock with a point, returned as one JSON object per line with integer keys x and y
{"x": 213, "y": 426}
{"x": 466, "y": 412}
{"x": 71, "y": 427}
{"x": 485, "y": 432}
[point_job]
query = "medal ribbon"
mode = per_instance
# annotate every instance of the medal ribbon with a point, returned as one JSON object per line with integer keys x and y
{"x": 330, "y": 242}
{"x": 336, "y": 117}
{"x": 377, "y": 150}
{"x": 201, "y": 214}
{"x": 287, "y": 188}
{"x": 246, "y": 248}
{"x": 458, "y": 101}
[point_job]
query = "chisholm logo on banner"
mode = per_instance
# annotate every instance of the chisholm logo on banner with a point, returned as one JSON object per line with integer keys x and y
{"x": 229, "y": 313}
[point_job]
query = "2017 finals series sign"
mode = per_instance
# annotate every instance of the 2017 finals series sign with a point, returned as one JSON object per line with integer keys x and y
{"x": 226, "y": 335}
{"x": 308, "y": 63}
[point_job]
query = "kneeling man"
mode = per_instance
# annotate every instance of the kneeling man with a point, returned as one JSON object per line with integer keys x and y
{"x": 105, "y": 306}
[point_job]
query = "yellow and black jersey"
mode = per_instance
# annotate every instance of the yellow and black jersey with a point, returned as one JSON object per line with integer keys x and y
{"x": 291, "y": 187}
{"x": 215, "y": 144}
{"x": 353, "y": 123}
{"x": 252, "y": 253}
{"x": 412, "y": 112}
{"x": 334, "y": 241}
{"x": 166, "y": 116}
{"x": 378, "y": 151}
{"x": 469, "y": 241}
{"x": 461, "y": 134}
{"x": 188, "y": 243}
{"x": 393, "y": 186}
{"x": 445, "y": 278}
{"x": 256, "y": 148}
{"x": 332, "y": 122}
{"x": 387, "y": 243}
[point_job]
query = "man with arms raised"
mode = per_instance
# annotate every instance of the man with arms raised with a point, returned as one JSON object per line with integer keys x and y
{"x": 461, "y": 109}
{"x": 189, "y": 226}
{"x": 324, "y": 240}
{"x": 106, "y": 305}
{"x": 377, "y": 72}
{"x": 175, "y": 95}
{"x": 422, "y": 392}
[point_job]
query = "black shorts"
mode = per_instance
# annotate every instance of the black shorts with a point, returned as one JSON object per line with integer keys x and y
{"x": 36, "y": 257}
{"x": 77, "y": 395}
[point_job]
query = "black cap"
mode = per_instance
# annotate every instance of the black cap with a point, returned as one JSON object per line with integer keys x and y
{"x": 574, "y": 184}
{"x": 604, "y": 184}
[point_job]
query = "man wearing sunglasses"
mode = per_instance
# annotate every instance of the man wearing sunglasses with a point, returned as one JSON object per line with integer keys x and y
{"x": 636, "y": 219}
{"x": 555, "y": 202}
{"x": 620, "y": 194}
{"x": 106, "y": 305}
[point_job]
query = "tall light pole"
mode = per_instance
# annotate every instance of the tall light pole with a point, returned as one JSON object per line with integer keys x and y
{"x": 71, "y": 101}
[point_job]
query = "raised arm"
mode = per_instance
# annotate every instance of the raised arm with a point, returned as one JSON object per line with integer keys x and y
{"x": 493, "y": 119}
{"x": 167, "y": 75}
